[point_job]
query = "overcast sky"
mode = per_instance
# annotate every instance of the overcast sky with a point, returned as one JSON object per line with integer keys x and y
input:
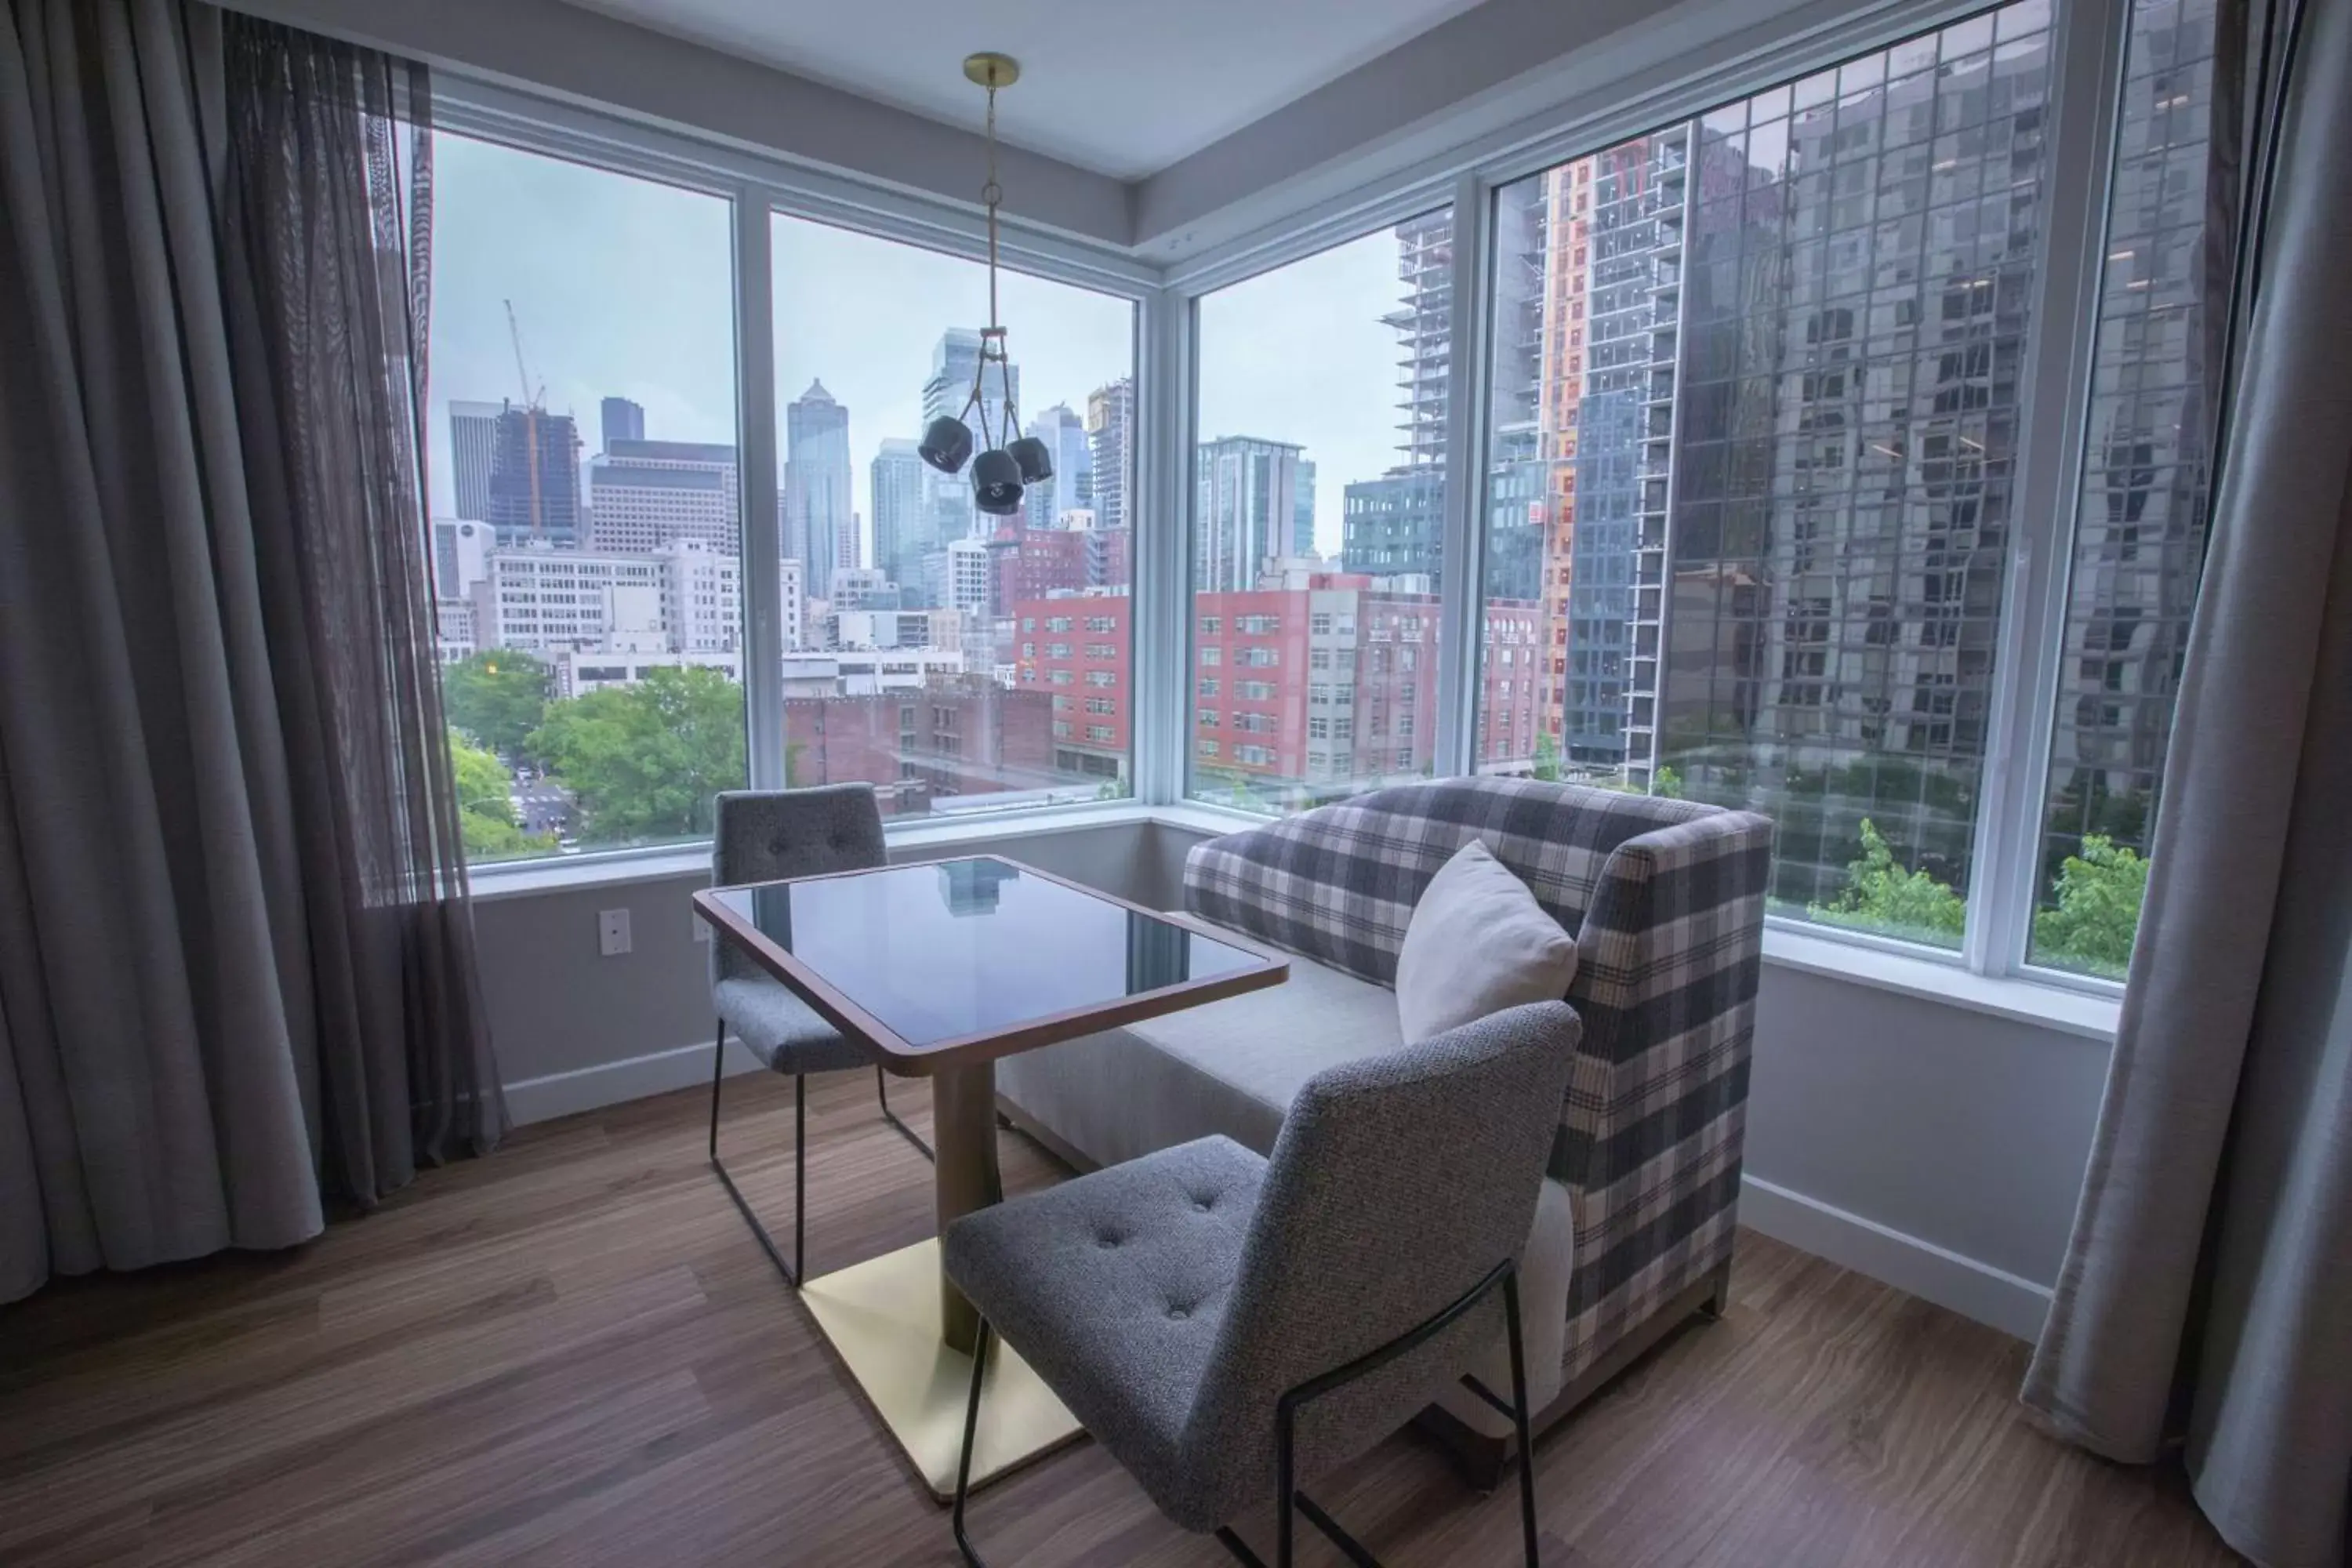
{"x": 622, "y": 289}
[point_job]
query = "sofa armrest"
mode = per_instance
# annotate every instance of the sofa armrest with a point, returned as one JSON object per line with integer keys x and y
{"x": 1652, "y": 1136}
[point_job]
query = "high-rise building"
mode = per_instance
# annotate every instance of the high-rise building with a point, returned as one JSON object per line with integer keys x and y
{"x": 1424, "y": 324}
{"x": 861, "y": 588}
{"x": 1846, "y": 430}
{"x": 473, "y": 447}
{"x": 1071, "y": 488}
{"x": 955, "y": 361}
{"x": 683, "y": 598}
{"x": 2140, "y": 532}
{"x": 647, "y": 494}
{"x": 903, "y": 517}
{"x": 622, "y": 421}
{"x": 1246, "y": 508}
{"x": 1111, "y": 440}
{"x": 458, "y": 547}
{"x": 535, "y": 482}
{"x": 962, "y": 579}
{"x": 820, "y": 526}
{"x": 1302, "y": 533}
{"x": 1395, "y": 525}
{"x": 793, "y": 602}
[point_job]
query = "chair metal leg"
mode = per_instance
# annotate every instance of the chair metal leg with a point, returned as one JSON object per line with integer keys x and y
{"x": 1290, "y": 1502}
{"x": 970, "y": 1432}
{"x": 1285, "y": 1490}
{"x": 882, "y": 1093}
{"x": 790, "y": 1271}
{"x": 800, "y": 1170}
{"x": 1519, "y": 1414}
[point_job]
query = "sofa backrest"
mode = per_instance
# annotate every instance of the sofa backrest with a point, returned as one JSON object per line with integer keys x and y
{"x": 1337, "y": 884}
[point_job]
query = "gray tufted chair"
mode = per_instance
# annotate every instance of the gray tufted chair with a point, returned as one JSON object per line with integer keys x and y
{"x": 1229, "y": 1327}
{"x": 768, "y": 836}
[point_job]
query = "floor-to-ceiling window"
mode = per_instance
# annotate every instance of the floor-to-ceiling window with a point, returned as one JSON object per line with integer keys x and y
{"x": 956, "y": 658}
{"x": 1755, "y": 408}
{"x": 586, "y": 542}
{"x": 2138, "y": 544}
{"x": 1317, "y": 514}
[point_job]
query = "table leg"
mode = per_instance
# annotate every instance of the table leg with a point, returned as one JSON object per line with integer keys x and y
{"x": 963, "y": 1131}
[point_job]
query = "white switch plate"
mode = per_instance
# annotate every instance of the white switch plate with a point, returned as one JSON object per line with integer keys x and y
{"x": 701, "y": 927}
{"x": 611, "y": 932}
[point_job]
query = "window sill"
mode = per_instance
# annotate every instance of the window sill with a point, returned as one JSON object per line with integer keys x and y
{"x": 2050, "y": 1007}
{"x": 527, "y": 879}
{"x": 2058, "y": 1007}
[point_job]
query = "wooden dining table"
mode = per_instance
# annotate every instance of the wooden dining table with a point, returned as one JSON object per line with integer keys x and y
{"x": 939, "y": 968}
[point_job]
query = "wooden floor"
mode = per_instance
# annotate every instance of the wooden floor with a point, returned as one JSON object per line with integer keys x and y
{"x": 572, "y": 1353}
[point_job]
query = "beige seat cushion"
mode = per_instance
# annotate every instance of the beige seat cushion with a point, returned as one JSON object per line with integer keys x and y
{"x": 1229, "y": 1068}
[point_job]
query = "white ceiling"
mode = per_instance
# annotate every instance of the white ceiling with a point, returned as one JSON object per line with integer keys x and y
{"x": 1124, "y": 88}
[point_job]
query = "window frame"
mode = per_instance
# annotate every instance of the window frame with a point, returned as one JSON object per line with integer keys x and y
{"x": 758, "y": 189}
{"x": 2088, "y": 42}
{"x": 2088, "y": 39}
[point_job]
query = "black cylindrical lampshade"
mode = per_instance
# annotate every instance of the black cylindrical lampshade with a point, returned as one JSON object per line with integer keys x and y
{"x": 1036, "y": 462}
{"x": 947, "y": 442}
{"x": 996, "y": 483}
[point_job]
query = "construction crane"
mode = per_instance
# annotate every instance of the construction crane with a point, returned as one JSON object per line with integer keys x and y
{"x": 533, "y": 401}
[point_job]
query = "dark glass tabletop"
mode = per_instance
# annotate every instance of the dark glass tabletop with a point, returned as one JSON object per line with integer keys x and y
{"x": 949, "y": 950}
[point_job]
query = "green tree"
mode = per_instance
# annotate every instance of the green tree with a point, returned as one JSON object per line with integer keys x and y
{"x": 497, "y": 698}
{"x": 2099, "y": 893}
{"x": 1546, "y": 761}
{"x": 1881, "y": 896}
{"x": 485, "y": 819}
{"x": 645, "y": 761}
{"x": 1666, "y": 784}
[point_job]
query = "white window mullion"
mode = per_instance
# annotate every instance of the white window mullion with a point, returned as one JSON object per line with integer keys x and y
{"x": 2061, "y": 344}
{"x": 1462, "y": 569}
{"x": 755, "y": 403}
{"x": 1161, "y": 584}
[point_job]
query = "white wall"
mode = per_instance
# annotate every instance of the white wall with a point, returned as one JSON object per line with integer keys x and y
{"x": 582, "y": 57}
{"x": 1936, "y": 1147}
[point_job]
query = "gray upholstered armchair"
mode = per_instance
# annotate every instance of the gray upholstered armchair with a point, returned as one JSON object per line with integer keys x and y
{"x": 1231, "y": 1328}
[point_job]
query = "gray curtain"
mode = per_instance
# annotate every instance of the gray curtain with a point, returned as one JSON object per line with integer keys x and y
{"x": 2207, "y": 1294}
{"x": 236, "y": 981}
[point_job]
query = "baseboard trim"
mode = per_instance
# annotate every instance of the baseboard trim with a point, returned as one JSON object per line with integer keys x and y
{"x": 1991, "y": 1296}
{"x": 555, "y": 1094}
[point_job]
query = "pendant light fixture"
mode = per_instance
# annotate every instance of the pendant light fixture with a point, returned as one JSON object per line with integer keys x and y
{"x": 1009, "y": 461}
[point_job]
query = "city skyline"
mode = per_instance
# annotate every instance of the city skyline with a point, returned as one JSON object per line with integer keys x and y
{"x": 861, "y": 314}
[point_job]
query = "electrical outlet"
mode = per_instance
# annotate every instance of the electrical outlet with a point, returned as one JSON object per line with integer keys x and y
{"x": 611, "y": 932}
{"x": 701, "y": 927}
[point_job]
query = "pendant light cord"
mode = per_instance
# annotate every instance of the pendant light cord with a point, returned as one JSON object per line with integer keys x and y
{"x": 991, "y": 194}
{"x": 992, "y": 342}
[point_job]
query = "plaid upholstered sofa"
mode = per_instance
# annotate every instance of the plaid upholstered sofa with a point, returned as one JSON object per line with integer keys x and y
{"x": 1666, "y": 902}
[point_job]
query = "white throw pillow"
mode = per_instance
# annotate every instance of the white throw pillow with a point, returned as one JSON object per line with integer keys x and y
{"x": 1477, "y": 942}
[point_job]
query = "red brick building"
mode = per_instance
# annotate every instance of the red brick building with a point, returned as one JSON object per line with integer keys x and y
{"x": 1033, "y": 564}
{"x": 923, "y": 744}
{"x": 1078, "y": 650}
{"x": 1330, "y": 683}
